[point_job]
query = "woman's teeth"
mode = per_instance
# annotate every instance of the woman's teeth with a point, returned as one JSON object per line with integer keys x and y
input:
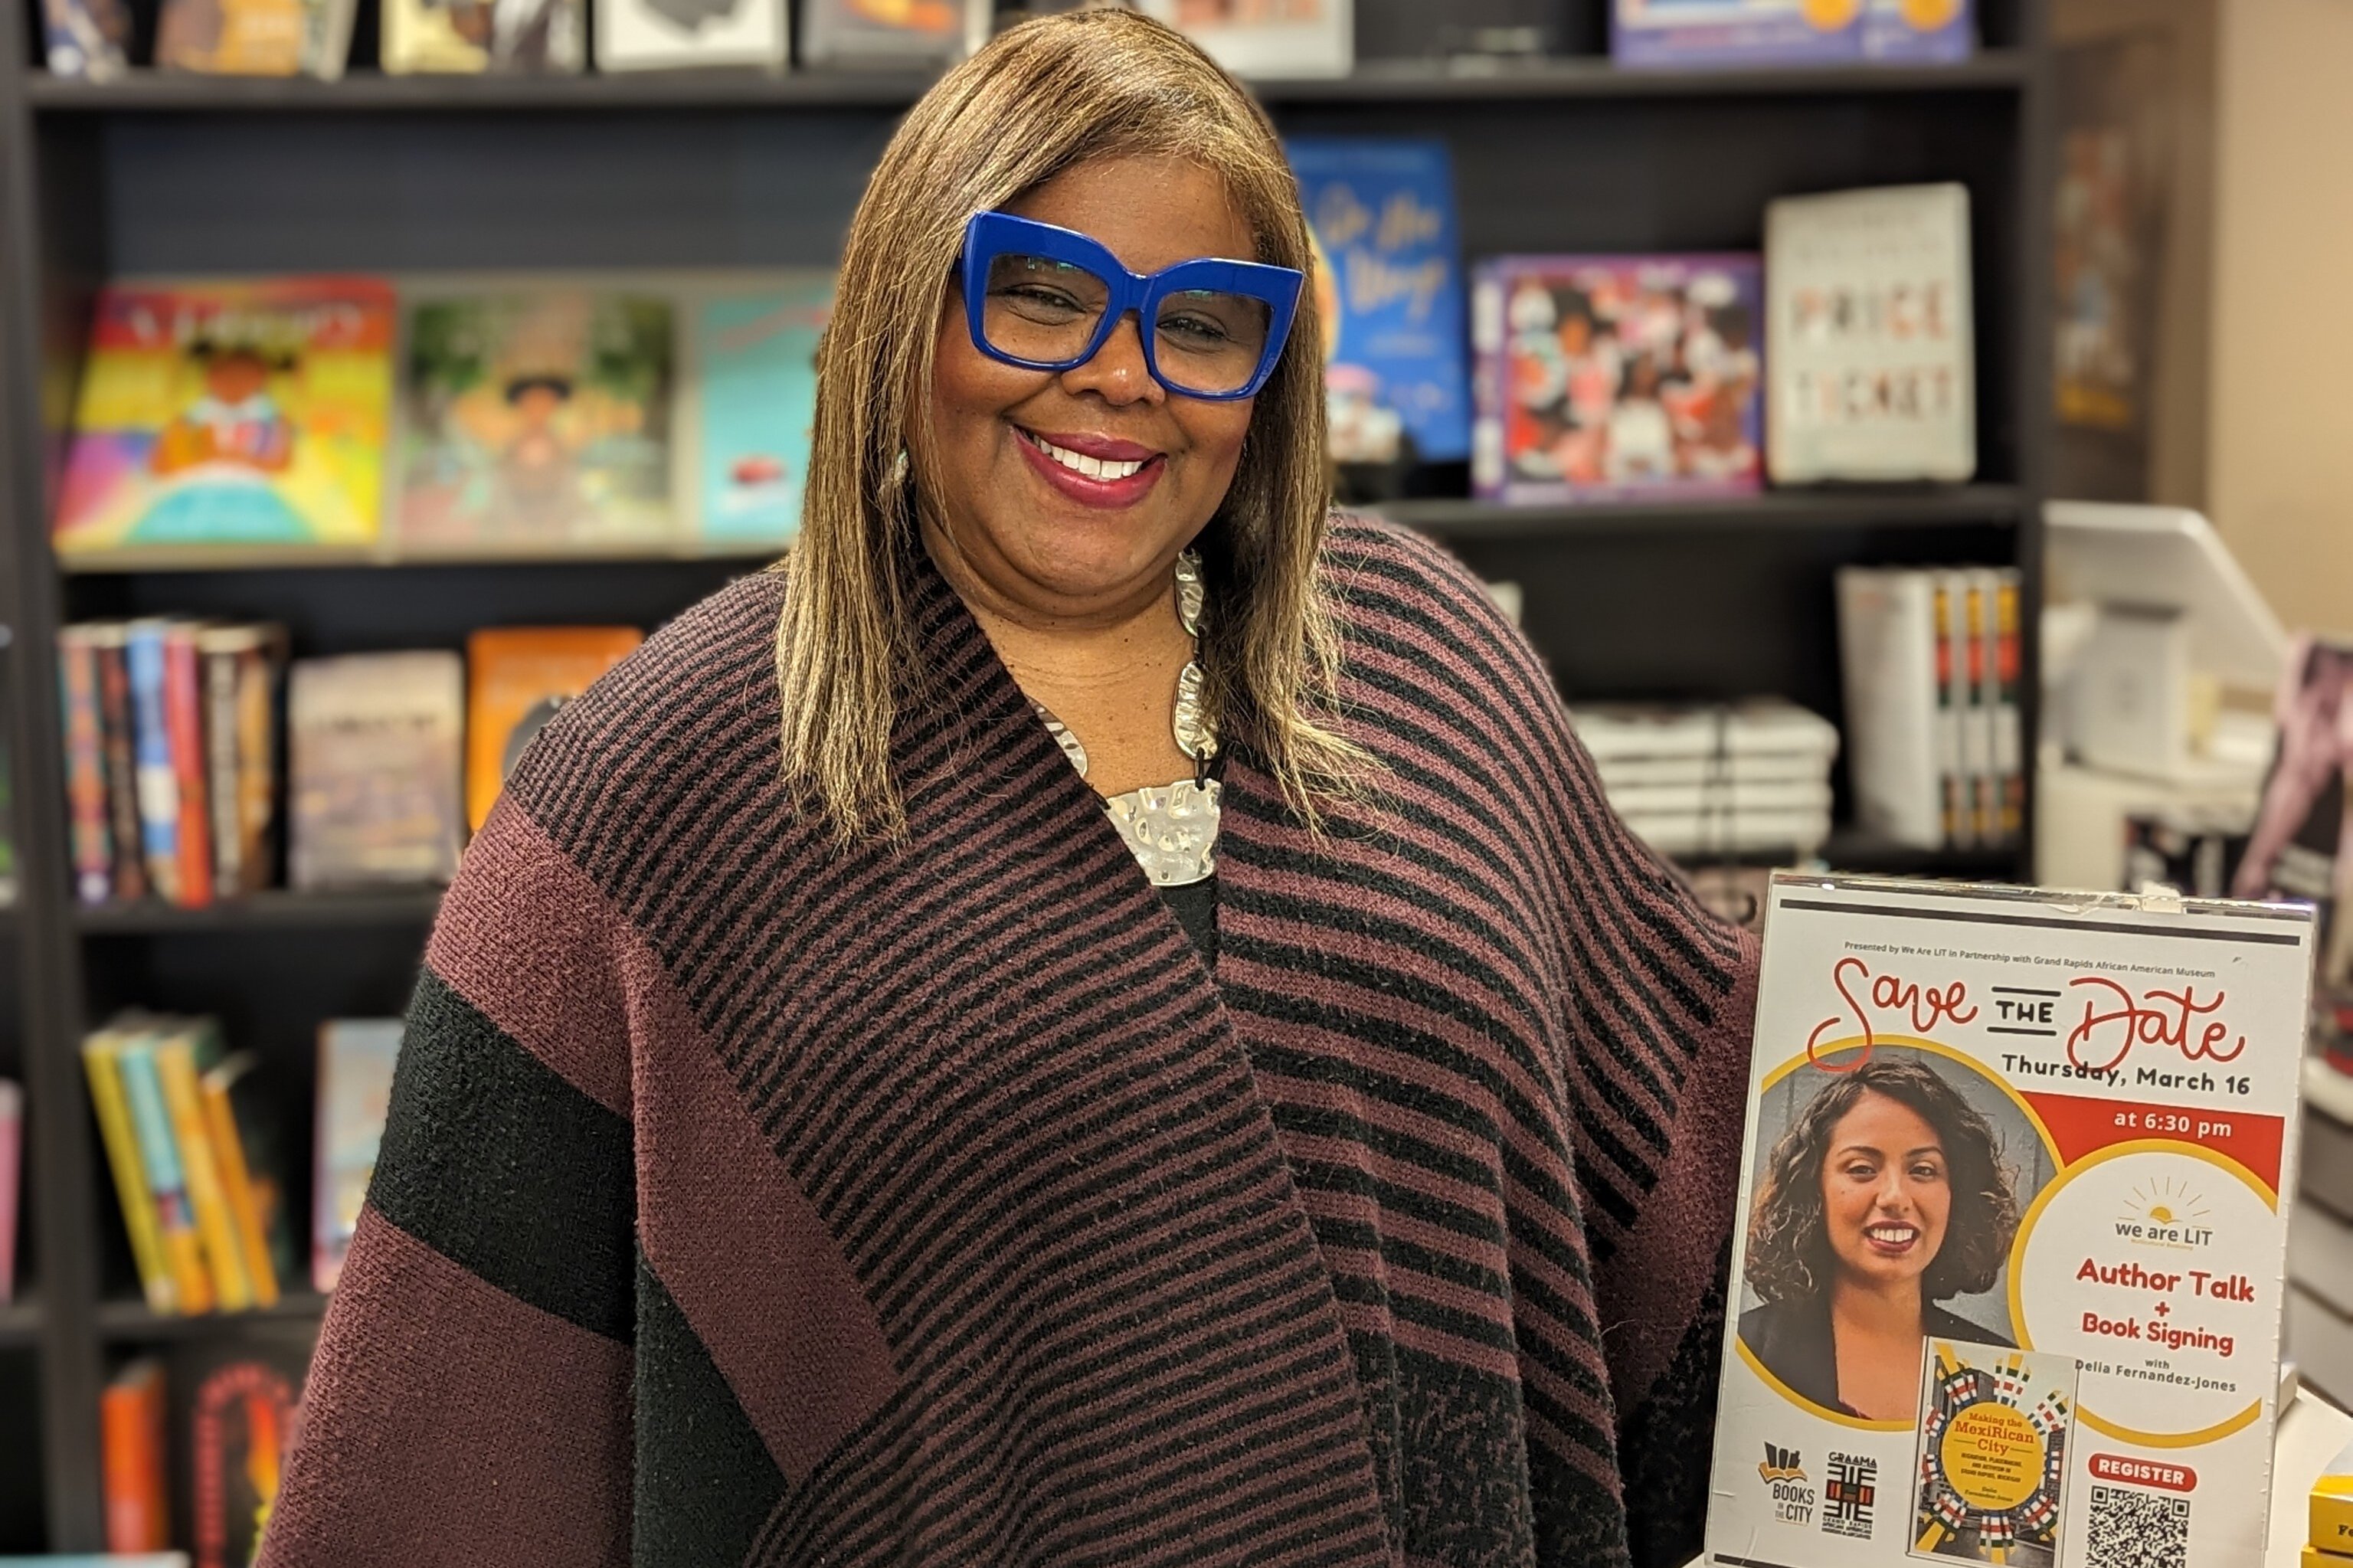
{"x": 1892, "y": 1235}
{"x": 1078, "y": 462}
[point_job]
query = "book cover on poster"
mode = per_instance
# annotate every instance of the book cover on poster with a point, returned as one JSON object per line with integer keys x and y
{"x": 1388, "y": 290}
{"x": 753, "y": 379}
{"x": 2013, "y": 1169}
{"x": 536, "y": 418}
{"x": 1670, "y": 33}
{"x": 1868, "y": 308}
{"x": 231, "y": 413}
{"x": 1616, "y": 377}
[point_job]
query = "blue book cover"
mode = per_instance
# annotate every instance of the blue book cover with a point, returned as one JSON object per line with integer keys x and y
{"x": 158, "y": 786}
{"x": 757, "y": 359}
{"x": 1670, "y": 33}
{"x": 1389, "y": 283}
{"x": 1924, "y": 31}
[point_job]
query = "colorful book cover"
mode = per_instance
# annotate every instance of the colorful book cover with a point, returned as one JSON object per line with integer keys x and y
{"x": 182, "y": 1051}
{"x": 355, "y": 1061}
{"x": 537, "y": 419}
{"x": 132, "y": 1415}
{"x": 231, "y": 38}
{"x": 12, "y": 1182}
{"x": 251, "y": 1179}
{"x": 236, "y": 1413}
{"x": 1616, "y": 377}
{"x": 118, "y": 732}
{"x": 656, "y": 35}
{"x": 755, "y": 363}
{"x": 183, "y": 733}
{"x": 904, "y": 34}
{"x": 1268, "y": 38}
{"x": 182, "y": 1244}
{"x": 1670, "y": 33}
{"x": 150, "y": 738}
{"x": 1925, "y": 31}
{"x": 2011, "y": 1279}
{"x": 101, "y": 1055}
{"x": 93, "y": 836}
{"x": 1389, "y": 288}
{"x": 467, "y": 37}
{"x": 519, "y": 676}
{"x": 87, "y": 38}
{"x": 231, "y": 413}
{"x": 374, "y": 769}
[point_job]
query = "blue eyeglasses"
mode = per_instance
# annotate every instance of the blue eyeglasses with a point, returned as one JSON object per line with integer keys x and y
{"x": 1046, "y": 299}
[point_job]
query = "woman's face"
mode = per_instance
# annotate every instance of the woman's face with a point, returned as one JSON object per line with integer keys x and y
{"x": 1886, "y": 1192}
{"x": 1045, "y": 542}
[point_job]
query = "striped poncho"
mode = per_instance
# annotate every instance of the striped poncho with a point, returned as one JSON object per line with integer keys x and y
{"x": 749, "y": 1200}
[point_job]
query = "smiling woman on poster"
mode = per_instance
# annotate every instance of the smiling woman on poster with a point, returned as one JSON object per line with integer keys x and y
{"x": 1886, "y": 1195}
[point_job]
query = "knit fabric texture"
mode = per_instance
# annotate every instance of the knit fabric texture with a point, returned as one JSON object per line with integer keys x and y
{"x": 749, "y": 1200}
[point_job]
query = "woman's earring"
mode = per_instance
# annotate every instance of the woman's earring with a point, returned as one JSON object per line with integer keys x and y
{"x": 898, "y": 468}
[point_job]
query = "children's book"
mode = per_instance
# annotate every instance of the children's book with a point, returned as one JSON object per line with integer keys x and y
{"x": 1271, "y": 38}
{"x": 231, "y": 413}
{"x": 355, "y": 1061}
{"x": 517, "y": 37}
{"x": 242, "y": 668}
{"x": 1869, "y": 313}
{"x": 1388, "y": 290}
{"x": 654, "y": 35}
{"x": 755, "y": 375}
{"x": 1673, "y": 33}
{"x": 236, "y": 1414}
{"x": 888, "y": 34}
{"x": 86, "y": 38}
{"x": 1925, "y": 31}
{"x": 374, "y": 795}
{"x": 92, "y": 837}
{"x": 536, "y": 419}
{"x": 134, "y": 1417}
{"x": 255, "y": 37}
{"x": 181, "y": 1242}
{"x": 117, "y": 739}
{"x": 1616, "y": 377}
{"x": 519, "y": 676}
{"x": 101, "y": 1055}
{"x": 253, "y": 1171}
{"x": 184, "y": 1049}
{"x": 2009, "y": 1281}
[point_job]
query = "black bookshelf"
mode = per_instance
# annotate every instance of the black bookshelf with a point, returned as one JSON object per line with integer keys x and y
{"x": 163, "y": 174}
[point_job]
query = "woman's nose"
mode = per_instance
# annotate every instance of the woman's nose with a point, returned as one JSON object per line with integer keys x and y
{"x": 1117, "y": 371}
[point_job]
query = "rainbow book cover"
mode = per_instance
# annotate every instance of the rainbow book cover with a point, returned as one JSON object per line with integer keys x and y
{"x": 231, "y": 413}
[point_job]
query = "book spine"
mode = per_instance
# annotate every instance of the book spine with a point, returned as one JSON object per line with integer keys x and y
{"x": 130, "y": 1427}
{"x": 2008, "y": 724}
{"x": 1948, "y": 718}
{"x": 1976, "y": 709}
{"x": 120, "y": 745}
{"x": 1489, "y": 406}
{"x": 92, "y": 839}
{"x": 236, "y": 1189}
{"x": 12, "y": 1182}
{"x": 258, "y": 672}
{"x": 159, "y": 787}
{"x": 183, "y": 721}
{"x": 175, "y": 1221}
{"x": 200, "y": 1168}
{"x": 218, "y": 672}
{"x": 101, "y": 1064}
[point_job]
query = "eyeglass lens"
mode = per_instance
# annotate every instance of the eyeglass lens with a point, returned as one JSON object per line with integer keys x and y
{"x": 1046, "y": 311}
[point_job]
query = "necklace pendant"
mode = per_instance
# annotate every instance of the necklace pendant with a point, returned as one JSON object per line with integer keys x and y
{"x": 1171, "y": 829}
{"x": 1190, "y": 592}
{"x": 1063, "y": 736}
{"x": 1190, "y": 722}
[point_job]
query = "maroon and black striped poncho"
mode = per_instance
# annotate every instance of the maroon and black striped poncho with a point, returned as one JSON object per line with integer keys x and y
{"x": 745, "y": 1200}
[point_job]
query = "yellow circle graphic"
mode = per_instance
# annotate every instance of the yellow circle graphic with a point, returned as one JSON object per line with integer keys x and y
{"x": 1992, "y": 1457}
{"x": 1929, "y": 15}
{"x": 1829, "y": 15}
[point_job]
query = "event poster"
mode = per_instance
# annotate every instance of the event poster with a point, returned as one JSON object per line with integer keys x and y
{"x": 2010, "y": 1271}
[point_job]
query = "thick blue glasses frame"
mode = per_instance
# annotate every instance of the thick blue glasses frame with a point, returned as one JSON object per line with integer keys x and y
{"x": 990, "y": 234}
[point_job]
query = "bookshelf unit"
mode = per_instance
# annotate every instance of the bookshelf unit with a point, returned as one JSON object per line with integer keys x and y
{"x": 161, "y": 173}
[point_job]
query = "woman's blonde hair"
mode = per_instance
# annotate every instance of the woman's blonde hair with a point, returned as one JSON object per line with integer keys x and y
{"x": 1043, "y": 98}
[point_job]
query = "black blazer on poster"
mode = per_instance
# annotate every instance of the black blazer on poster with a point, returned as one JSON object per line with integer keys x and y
{"x": 1792, "y": 1339}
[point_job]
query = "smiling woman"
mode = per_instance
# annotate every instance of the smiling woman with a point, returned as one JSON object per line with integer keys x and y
{"x": 1096, "y": 1014}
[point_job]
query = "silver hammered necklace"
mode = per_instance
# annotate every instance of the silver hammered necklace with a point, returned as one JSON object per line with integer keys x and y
{"x": 1171, "y": 829}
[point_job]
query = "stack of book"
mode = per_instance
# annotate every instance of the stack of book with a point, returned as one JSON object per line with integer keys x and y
{"x": 1931, "y": 661}
{"x": 199, "y": 1170}
{"x": 2330, "y": 1544}
{"x": 1697, "y": 782}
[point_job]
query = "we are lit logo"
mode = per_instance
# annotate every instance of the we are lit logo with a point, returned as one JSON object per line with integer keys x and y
{"x": 2165, "y": 1211}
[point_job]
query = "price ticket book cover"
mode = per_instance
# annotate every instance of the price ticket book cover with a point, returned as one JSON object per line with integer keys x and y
{"x": 2009, "y": 1283}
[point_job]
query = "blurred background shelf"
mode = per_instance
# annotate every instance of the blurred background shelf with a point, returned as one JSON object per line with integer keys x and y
{"x": 20, "y": 1324}
{"x": 275, "y": 910}
{"x": 1890, "y": 507}
{"x": 131, "y": 1322}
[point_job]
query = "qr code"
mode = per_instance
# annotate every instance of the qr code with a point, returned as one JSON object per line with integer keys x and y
{"x": 2137, "y": 1529}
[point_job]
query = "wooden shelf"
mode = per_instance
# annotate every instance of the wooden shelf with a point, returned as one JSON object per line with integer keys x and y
{"x": 134, "y": 1322}
{"x": 1375, "y": 82}
{"x": 276, "y": 910}
{"x": 1845, "y": 507}
{"x": 309, "y": 557}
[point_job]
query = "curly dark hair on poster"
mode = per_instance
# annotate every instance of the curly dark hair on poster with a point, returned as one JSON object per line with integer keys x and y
{"x": 1788, "y": 1245}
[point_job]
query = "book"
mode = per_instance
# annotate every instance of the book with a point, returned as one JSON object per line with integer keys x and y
{"x": 1922, "y": 31}
{"x": 111, "y": 640}
{"x": 12, "y": 1182}
{"x": 469, "y": 37}
{"x": 92, "y": 835}
{"x": 885, "y": 34}
{"x": 183, "y": 1049}
{"x": 158, "y": 785}
{"x": 1868, "y": 308}
{"x": 355, "y": 1062}
{"x": 1889, "y": 658}
{"x": 1955, "y": 694}
{"x": 89, "y": 39}
{"x": 1676, "y": 32}
{"x": 231, "y": 38}
{"x": 2003, "y": 666}
{"x": 1388, "y": 289}
{"x": 372, "y": 743}
{"x": 755, "y": 377}
{"x": 1616, "y": 377}
{"x": 536, "y": 419}
{"x": 235, "y": 1411}
{"x": 131, "y": 1420}
{"x": 519, "y": 676}
{"x": 653, "y": 34}
{"x": 180, "y": 1241}
{"x": 253, "y": 1173}
{"x": 1994, "y": 1425}
{"x": 242, "y": 668}
{"x": 2332, "y": 1505}
{"x": 101, "y": 1057}
{"x": 1268, "y": 38}
{"x": 231, "y": 413}
{"x": 2048, "y": 1135}
{"x": 184, "y": 737}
